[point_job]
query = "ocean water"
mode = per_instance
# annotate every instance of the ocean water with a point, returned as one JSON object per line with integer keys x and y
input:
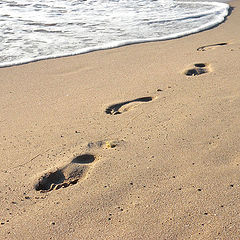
{"x": 31, "y": 30}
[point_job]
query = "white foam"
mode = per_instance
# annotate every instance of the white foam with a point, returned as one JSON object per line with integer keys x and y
{"x": 36, "y": 32}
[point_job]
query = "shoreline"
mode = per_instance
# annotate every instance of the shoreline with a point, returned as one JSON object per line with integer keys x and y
{"x": 135, "y": 142}
{"x": 129, "y": 42}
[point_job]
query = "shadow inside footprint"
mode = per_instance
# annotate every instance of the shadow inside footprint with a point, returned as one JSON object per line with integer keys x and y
{"x": 200, "y": 65}
{"x": 84, "y": 159}
{"x": 49, "y": 179}
{"x": 204, "y": 48}
{"x": 115, "y": 108}
{"x": 194, "y": 72}
{"x": 199, "y": 68}
{"x": 66, "y": 176}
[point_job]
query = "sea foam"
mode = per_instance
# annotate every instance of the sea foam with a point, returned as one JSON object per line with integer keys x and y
{"x": 34, "y": 30}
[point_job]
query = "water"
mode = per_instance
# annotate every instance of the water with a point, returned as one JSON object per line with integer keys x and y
{"x": 31, "y": 30}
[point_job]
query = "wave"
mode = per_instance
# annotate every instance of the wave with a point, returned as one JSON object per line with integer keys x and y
{"x": 217, "y": 14}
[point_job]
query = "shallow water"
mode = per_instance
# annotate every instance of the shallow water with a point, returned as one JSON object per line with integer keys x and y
{"x": 38, "y": 29}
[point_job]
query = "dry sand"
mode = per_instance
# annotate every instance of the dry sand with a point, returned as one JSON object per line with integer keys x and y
{"x": 163, "y": 163}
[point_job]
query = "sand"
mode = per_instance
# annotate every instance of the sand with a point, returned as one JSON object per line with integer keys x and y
{"x": 137, "y": 142}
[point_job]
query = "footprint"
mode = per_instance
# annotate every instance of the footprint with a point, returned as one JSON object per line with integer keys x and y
{"x": 198, "y": 69}
{"x": 121, "y": 107}
{"x": 68, "y": 175}
{"x": 212, "y": 46}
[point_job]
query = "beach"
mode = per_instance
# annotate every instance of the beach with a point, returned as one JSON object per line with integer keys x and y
{"x": 135, "y": 142}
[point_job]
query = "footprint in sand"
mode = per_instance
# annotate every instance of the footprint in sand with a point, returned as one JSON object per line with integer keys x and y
{"x": 125, "y": 106}
{"x": 198, "y": 69}
{"x": 212, "y": 46}
{"x": 68, "y": 175}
